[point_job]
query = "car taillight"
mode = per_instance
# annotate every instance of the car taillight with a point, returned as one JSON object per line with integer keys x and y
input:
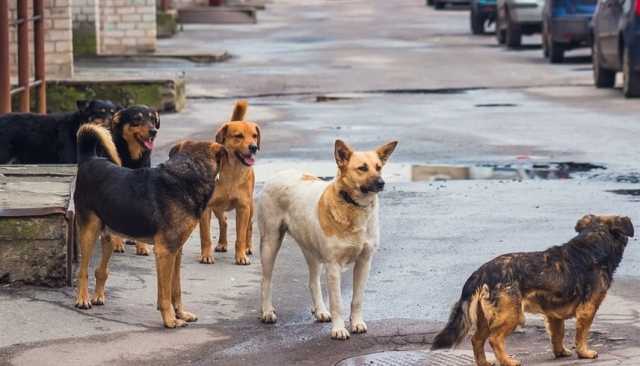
{"x": 638, "y": 7}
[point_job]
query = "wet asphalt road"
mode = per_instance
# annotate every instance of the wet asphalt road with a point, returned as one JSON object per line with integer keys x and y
{"x": 400, "y": 71}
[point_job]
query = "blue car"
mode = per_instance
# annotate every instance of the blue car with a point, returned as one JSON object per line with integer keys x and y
{"x": 616, "y": 45}
{"x": 483, "y": 12}
{"x": 566, "y": 24}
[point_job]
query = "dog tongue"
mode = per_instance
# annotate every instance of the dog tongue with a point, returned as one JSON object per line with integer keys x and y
{"x": 249, "y": 160}
{"x": 148, "y": 144}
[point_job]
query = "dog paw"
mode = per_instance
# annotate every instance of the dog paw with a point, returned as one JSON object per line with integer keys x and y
{"x": 98, "y": 299}
{"x": 206, "y": 259}
{"x": 511, "y": 362}
{"x": 564, "y": 353}
{"x": 322, "y": 316}
{"x": 221, "y": 248}
{"x": 175, "y": 323}
{"x": 118, "y": 248}
{"x": 242, "y": 260}
{"x": 82, "y": 302}
{"x": 269, "y": 317}
{"x": 187, "y": 316}
{"x": 142, "y": 249}
{"x": 588, "y": 354}
{"x": 249, "y": 251}
{"x": 358, "y": 327}
{"x": 341, "y": 334}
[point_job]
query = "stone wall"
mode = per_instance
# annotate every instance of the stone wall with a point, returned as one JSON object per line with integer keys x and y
{"x": 126, "y": 27}
{"x": 179, "y": 4}
{"x": 58, "y": 39}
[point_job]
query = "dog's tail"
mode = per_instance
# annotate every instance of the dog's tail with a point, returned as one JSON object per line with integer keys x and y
{"x": 464, "y": 315}
{"x": 239, "y": 110}
{"x": 92, "y": 136}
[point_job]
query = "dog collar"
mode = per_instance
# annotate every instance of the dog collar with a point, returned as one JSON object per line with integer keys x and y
{"x": 345, "y": 196}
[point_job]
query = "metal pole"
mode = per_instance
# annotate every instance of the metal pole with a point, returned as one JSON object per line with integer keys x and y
{"x": 23, "y": 54}
{"x": 5, "y": 72}
{"x": 38, "y": 45}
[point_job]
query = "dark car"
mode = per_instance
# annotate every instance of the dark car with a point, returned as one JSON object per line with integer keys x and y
{"x": 566, "y": 24}
{"x": 616, "y": 44}
{"x": 482, "y": 12}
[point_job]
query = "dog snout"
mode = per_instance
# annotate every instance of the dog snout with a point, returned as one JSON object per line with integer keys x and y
{"x": 153, "y": 132}
{"x": 253, "y": 148}
{"x": 379, "y": 184}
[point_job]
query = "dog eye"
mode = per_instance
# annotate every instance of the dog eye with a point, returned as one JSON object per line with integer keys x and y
{"x": 378, "y": 167}
{"x": 238, "y": 136}
{"x": 363, "y": 168}
{"x": 255, "y": 136}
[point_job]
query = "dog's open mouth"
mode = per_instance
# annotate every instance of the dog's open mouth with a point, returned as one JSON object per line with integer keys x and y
{"x": 147, "y": 143}
{"x": 246, "y": 159}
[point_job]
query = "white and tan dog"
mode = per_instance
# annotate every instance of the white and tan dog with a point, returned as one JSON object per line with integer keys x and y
{"x": 335, "y": 223}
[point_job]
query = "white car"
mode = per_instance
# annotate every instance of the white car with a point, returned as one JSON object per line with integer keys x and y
{"x": 517, "y": 17}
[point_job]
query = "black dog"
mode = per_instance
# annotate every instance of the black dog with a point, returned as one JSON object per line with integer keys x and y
{"x": 134, "y": 130}
{"x": 562, "y": 282}
{"x": 160, "y": 205}
{"x": 29, "y": 138}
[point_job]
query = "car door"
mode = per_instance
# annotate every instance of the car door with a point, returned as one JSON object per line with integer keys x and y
{"x": 609, "y": 31}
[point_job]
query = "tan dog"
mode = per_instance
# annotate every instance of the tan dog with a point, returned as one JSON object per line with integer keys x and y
{"x": 334, "y": 223}
{"x": 234, "y": 188}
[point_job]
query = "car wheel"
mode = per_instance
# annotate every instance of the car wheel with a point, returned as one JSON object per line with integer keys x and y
{"x": 513, "y": 37}
{"x": 556, "y": 52}
{"x": 438, "y": 4}
{"x": 631, "y": 85}
{"x": 602, "y": 78}
{"x": 500, "y": 36}
{"x": 477, "y": 21}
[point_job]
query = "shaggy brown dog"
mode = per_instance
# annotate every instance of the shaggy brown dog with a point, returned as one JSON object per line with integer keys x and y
{"x": 160, "y": 205}
{"x": 234, "y": 189}
{"x": 559, "y": 283}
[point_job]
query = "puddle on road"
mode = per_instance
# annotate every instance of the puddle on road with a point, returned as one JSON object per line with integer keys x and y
{"x": 405, "y": 172}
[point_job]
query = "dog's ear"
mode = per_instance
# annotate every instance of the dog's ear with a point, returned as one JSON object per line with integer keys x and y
{"x": 175, "y": 149}
{"x": 82, "y": 104}
{"x": 385, "y": 151}
{"x": 219, "y": 151}
{"x": 222, "y": 133}
{"x": 584, "y": 222}
{"x": 622, "y": 225}
{"x": 342, "y": 153}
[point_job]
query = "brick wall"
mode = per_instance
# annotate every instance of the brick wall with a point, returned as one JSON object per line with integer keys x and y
{"x": 58, "y": 39}
{"x": 85, "y": 29}
{"x": 127, "y": 26}
{"x": 84, "y": 12}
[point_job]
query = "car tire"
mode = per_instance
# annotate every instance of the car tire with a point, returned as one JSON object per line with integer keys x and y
{"x": 556, "y": 52}
{"x": 513, "y": 36}
{"x": 477, "y": 21}
{"x": 438, "y": 4}
{"x": 631, "y": 84}
{"x": 602, "y": 78}
{"x": 500, "y": 35}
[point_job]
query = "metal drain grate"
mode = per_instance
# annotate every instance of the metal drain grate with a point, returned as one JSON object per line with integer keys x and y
{"x": 412, "y": 358}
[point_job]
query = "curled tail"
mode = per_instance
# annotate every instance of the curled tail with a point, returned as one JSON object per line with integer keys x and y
{"x": 90, "y": 137}
{"x": 463, "y": 317}
{"x": 239, "y": 110}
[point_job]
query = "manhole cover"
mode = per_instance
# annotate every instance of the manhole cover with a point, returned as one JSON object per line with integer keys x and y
{"x": 412, "y": 358}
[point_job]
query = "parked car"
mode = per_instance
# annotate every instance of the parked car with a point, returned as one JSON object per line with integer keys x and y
{"x": 482, "y": 12}
{"x": 616, "y": 44}
{"x": 517, "y": 17}
{"x": 566, "y": 25}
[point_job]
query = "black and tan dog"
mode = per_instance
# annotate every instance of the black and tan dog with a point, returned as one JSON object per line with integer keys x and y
{"x": 160, "y": 205}
{"x": 134, "y": 130}
{"x": 559, "y": 283}
{"x": 30, "y": 138}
